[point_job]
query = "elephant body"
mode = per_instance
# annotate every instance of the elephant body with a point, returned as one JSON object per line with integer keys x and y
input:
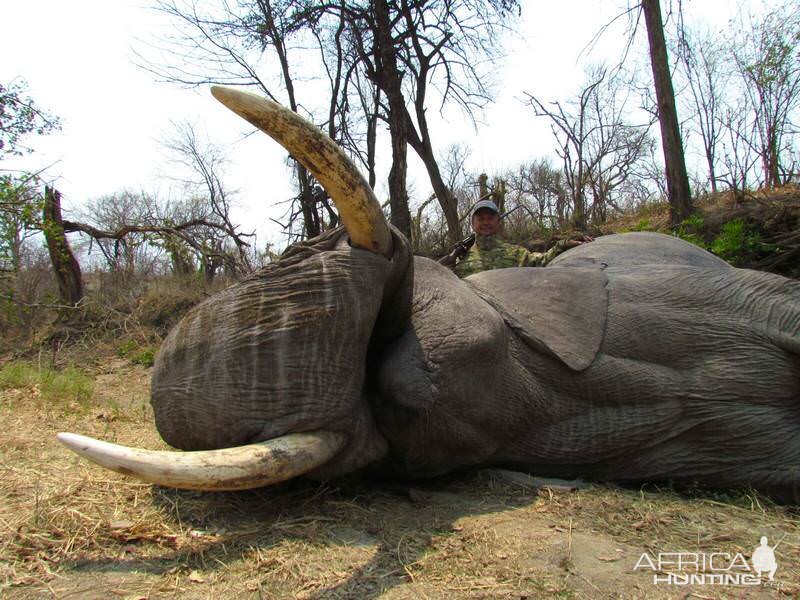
{"x": 637, "y": 357}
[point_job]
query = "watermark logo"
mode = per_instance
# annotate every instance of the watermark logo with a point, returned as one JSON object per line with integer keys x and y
{"x": 713, "y": 568}
{"x": 764, "y": 559}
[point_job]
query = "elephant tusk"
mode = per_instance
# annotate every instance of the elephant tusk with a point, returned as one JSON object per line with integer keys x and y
{"x": 358, "y": 207}
{"x": 240, "y": 468}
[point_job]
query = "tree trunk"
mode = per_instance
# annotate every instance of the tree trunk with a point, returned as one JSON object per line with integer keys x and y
{"x": 389, "y": 80}
{"x": 422, "y": 146}
{"x": 65, "y": 266}
{"x": 483, "y": 186}
{"x": 680, "y": 199}
{"x": 308, "y": 204}
{"x": 398, "y": 194}
{"x": 773, "y": 173}
{"x": 579, "y": 209}
{"x": 372, "y": 135}
{"x": 447, "y": 201}
{"x": 712, "y": 176}
{"x": 499, "y": 194}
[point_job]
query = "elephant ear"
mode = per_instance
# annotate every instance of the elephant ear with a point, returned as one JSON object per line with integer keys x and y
{"x": 558, "y": 311}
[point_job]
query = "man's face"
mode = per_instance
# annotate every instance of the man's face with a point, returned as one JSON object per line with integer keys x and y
{"x": 486, "y": 222}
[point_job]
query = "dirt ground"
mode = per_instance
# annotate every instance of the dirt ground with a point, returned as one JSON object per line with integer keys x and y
{"x": 69, "y": 529}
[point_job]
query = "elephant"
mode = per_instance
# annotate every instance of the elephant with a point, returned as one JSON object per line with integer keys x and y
{"x": 638, "y": 357}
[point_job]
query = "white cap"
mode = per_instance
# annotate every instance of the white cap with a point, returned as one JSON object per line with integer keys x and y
{"x": 484, "y": 204}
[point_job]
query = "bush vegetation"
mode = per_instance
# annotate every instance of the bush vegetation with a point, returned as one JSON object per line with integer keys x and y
{"x": 127, "y": 314}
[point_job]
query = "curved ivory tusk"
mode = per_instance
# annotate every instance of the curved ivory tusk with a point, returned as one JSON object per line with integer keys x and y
{"x": 240, "y": 468}
{"x": 359, "y": 209}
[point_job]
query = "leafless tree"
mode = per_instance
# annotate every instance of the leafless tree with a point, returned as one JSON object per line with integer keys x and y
{"x": 429, "y": 226}
{"x": 739, "y": 151}
{"x": 768, "y": 61}
{"x": 417, "y": 53}
{"x": 259, "y": 43}
{"x": 571, "y": 129}
{"x": 539, "y": 186}
{"x": 615, "y": 146}
{"x": 125, "y": 226}
{"x": 678, "y": 191}
{"x": 597, "y": 144}
{"x": 203, "y": 162}
{"x": 124, "y": 257}
{"x": 701, "y": 59}
{"x": 379, "y": 58}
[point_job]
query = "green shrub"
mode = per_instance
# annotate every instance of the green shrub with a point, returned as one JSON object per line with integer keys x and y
{"x": 737, "y": 243}
{"x": 693, "y": 223}
{"x": 138, "y": 355}
{"x": 690, "y": 231}
{"x": 145, "y": 358}
{"x": 693, "y": 238}
{"x": 127, "y": 348}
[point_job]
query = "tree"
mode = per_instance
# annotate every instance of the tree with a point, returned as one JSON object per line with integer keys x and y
{"x": 167, "y": 233}
{"x": 679, "y": 194}
{"x": 20, "y": 204}
{"x": 383, "y": 70}
{"x": 19, "y": 117}
{"x": 223, "y": 43}
{"x": 23, "y": 211}
{"x": 429, "y": 234}
{"x": 597, "y": 145}
{"x": 702, "y": 61}
{"x": 615, "y": 146}
{"x": 136, "y": 254}
{"x": 123, "y": 257}
{"x": 739, "y": 156}
{"x": 408, "y": 48}
{"x": 379, "y": 58}
{"x": 20, "y": 210}
{"x": 571, "y": 130}
{"x": 65, "y": 265}
{"x": 204, "y": 162}
{"x": 539, "y": 186}
{"x": 768, "y": 61}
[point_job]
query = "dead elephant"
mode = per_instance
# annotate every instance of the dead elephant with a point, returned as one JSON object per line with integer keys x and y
{"x": 638, "y": 357}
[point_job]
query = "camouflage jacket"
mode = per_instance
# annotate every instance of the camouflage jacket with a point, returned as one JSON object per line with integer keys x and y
{"x": 491, "y": 252}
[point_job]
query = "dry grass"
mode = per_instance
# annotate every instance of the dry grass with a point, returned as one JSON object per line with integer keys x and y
{"x": 71, "y": 530}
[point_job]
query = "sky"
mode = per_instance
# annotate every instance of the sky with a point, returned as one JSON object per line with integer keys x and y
{"x": 79, "y": 61}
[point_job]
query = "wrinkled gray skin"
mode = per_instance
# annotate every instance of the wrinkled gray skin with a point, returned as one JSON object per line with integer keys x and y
{"x": 637, "y": 357}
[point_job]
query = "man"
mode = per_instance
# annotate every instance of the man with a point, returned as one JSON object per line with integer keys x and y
{"x": 490, "y": 251}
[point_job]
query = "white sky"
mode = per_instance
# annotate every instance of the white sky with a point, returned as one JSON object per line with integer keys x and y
{"x": 77, "y": 58}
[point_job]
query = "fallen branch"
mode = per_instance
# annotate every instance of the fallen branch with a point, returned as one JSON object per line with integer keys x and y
{"x": 42, "y": 304}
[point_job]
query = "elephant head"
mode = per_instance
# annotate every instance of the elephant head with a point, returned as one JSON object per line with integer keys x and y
{"x": 284, "y": 351}
{"x": 636, "y": 357}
